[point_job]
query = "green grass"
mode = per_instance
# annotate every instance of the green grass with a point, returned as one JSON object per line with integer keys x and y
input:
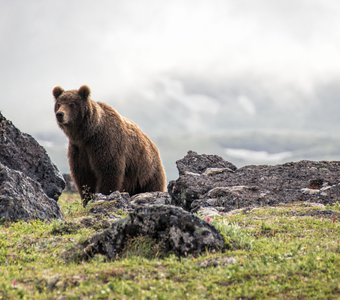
{"x": 278, "y": 253}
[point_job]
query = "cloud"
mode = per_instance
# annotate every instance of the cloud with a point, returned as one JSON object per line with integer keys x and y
{"x": 193, "y": 68}
{"x": 273, "y": 53}
{"x": 247, "y": 105}
{"x": 257, "y": 156}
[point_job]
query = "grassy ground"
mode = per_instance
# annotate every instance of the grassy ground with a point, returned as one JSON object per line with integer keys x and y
{"x": 287, "y": 252}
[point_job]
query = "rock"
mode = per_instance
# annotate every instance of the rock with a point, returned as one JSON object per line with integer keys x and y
{"x": 194, "y": 163}
{"x": 19, "y": 151}
{"x": 308, "y": 191}
{"x": 218, "y": 184}
{"x": 176, "y": 230}
{"x": 122, "y": 200}
{"x": 150, "y": 199}
{"x": 22, "y": 198}
{"x": 208, "y": 212}
{"x": 319, "y": 214}
{"x": 213, "y": 171}
{"x": 108, "y": 205}
{"x": 29, "y": 182}
{"x": 51, "y": 282}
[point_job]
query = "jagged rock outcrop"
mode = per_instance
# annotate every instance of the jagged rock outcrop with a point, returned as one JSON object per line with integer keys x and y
{"x": 22, "y": 198}
{"x": 209, "y": 181}
{"x": 19, "y": 151}
{"x": 30, "y": 183}
{"x": 198, "y": 164}
{"x": 174, "y": 229}
{"x": 158, "y": 198}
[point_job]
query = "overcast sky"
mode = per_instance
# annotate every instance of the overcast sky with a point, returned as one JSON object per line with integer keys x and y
{"x": 284, "y": 49}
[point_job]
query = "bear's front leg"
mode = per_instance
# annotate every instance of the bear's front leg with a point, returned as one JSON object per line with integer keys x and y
{"x": 109, "y": 174}
{"x": 109, "y": 183}
{"x": 81, "y": 171}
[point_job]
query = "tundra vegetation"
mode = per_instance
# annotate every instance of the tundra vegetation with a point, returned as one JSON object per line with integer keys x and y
{"x": 290, "y": 251}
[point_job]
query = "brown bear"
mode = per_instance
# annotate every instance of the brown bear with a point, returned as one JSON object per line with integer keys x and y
{"x": 106, "y": 152}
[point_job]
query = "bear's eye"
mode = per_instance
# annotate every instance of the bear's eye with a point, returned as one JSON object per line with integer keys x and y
{"x": 72, "y": 105}
{"x": 57, "y": 106}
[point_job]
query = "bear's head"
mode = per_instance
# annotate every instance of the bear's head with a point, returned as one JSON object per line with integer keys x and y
{"x": 70, "y": 106}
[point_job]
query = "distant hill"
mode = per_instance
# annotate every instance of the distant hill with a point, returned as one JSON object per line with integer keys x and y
{"x": 239, "y": 147}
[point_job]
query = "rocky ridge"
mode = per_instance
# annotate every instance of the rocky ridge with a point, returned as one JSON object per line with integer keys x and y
{"x": 224, "y": 187}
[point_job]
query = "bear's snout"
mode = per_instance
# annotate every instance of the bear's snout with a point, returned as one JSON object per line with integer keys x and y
{"x": 60, "y": 116}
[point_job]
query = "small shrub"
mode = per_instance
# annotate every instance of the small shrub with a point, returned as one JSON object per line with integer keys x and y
{"x": 234, "y": 236}
{"x": 61, "y": 228}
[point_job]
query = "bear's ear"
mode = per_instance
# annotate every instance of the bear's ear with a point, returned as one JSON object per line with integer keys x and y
{"x": 57, "y": 91}
{"x": 84, "y": 92}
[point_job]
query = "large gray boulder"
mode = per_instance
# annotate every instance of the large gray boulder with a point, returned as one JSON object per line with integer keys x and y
{"x": 174, "y": 229}
{"x": 194, "y": 163}
{"x": 22, "y": 198}
{"x": 221, "y": 185}
{"x": 19, "y": 151}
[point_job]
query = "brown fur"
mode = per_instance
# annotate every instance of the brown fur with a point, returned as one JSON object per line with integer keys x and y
{"x": 106, "y": 152}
